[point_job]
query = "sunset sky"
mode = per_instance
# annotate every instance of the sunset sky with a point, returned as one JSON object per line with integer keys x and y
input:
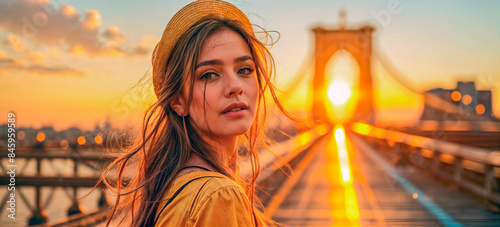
{"x": 67, "y": 63}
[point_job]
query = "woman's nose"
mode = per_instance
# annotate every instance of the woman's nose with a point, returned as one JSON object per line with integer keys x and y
{"x": 234, "y": 86}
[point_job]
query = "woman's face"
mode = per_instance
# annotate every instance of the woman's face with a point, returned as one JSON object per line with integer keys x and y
{"x": 225, "y": 87}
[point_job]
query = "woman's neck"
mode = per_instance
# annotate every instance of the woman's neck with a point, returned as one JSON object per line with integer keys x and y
{"x": 226, "y": 151}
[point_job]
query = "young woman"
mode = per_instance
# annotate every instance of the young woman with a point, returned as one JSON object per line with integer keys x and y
{"x": 211, "y": 76}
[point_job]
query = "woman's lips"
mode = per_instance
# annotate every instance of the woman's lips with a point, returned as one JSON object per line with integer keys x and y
{"x": 234, "y": 110}
{"x": 235, "y": 114}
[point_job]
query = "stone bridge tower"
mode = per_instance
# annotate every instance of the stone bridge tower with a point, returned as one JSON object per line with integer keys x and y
{"x": 358, "y": 42}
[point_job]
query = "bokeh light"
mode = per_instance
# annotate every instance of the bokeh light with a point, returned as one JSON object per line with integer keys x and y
{"x": 467, "y": 99}
{"x": 40, "y": 137}
{"x": 21, "y": 135}
{"x": 480, "y": 109}
{"x": 98, "y": 139}
{"x": 64, "y": 144}
{"x": 81, "y": 140}
{"x": 456, "y": 96}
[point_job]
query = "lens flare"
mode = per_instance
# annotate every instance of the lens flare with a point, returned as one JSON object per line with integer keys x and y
{"x": 339, "y": 93}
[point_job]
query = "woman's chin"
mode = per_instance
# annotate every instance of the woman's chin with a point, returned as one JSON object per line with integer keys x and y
{"x": 237, "y": 130}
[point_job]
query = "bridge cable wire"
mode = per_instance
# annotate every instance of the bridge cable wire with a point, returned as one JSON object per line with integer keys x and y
{"x": 394, "y": 72}
{"x": 430, "y": 99}
{"x": 297, "y": 79}
{"x": 286, "y": 94}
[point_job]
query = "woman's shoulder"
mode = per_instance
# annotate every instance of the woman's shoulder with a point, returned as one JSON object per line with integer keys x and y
{"x": 210, "y": 181}
{"x": 221, "y": 202}
{"x": 212, "y": 187}
{"x": 202, "y": 196}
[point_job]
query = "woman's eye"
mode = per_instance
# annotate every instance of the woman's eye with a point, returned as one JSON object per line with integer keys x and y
{"x": 245, "y": 71}
{"x": 208, "y": 76}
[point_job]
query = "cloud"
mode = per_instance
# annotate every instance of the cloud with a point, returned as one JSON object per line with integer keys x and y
{"x": 113, "y": 33}
{"x": 35, "y": 57}
{"x": 68, "y": 11}
{"x": 3, "y": 54}
{"x": 92, "y": 20}
{"x": 77, "y": 50}
{"x": 55, "y": 71}
{"x": 53, "y": 52}
{"x": 146, "y": 45}
{"x": 15, "y": 43}
{"x": 37, "y": 69}
{"x": 62, "y": 27}
{"x": 11, "y": 63}
{"x": 41, "y": 22}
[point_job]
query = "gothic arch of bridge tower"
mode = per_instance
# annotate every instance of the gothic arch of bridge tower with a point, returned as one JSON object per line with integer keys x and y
{"x": 358, "y": 42}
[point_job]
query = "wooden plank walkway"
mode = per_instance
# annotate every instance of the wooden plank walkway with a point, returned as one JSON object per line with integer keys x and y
{"x": 374, "y": 198}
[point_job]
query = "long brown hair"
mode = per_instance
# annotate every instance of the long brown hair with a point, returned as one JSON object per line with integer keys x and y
{"x": 167, "y": 140}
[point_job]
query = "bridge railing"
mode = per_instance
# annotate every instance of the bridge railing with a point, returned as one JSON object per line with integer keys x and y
{"x": 291, "y": 150}
{"x": 278, "y": 176}
{"x": 462, "y": 159}
{"x": 60, "y": 178}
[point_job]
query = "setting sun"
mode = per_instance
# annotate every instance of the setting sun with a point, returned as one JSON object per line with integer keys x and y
{"x": 339, "y": 93}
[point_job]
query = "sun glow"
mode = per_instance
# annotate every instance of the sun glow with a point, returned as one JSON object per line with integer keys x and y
{"x": 340, "y": 101}
{"x": 339, "y": 93}
{"x": 341, "y": 87}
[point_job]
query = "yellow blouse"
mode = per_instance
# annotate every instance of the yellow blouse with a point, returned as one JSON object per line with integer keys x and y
{"x": 211, "y": 201}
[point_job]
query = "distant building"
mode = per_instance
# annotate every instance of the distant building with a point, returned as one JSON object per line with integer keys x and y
{"x": 471, "y": 104}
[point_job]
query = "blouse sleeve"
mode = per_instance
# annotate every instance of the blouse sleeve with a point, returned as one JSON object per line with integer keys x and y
{"x": 227, "y": 206}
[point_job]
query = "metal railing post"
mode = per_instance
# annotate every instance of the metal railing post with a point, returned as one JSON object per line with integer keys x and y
{"x": 488, "y": 179}
{"x": 75, "y": 208}
{"x": 436, "y": 163}
{"x": 459, "y": 162}
{"x": 39, "y": 216}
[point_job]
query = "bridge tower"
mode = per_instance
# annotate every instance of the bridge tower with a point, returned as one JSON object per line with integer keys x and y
{"x": 358, "y": 42}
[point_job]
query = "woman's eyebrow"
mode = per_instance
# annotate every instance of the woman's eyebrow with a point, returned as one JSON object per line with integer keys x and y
{"x": 209, "y": 62}
{"x": 219, "y": 62}
{"x": 242, "y": 58}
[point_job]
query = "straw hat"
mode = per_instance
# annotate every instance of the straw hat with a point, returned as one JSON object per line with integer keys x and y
{"x": 181, "y": 22}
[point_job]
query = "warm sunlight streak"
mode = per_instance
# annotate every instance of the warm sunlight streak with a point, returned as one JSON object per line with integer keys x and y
{"x": 343, "y": 156}
{"x": 321, "y": 129}
{"x": 339, "y": 93}
{"x": 351, "y": 203}
{"x": 350, "y": 198}
{"x": 361, "y": 128}
{"x": 304, "y": 138}
{"x": 339, "y": 133}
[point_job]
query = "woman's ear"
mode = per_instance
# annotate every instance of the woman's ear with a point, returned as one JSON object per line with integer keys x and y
{"x": 178, "y": 106}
